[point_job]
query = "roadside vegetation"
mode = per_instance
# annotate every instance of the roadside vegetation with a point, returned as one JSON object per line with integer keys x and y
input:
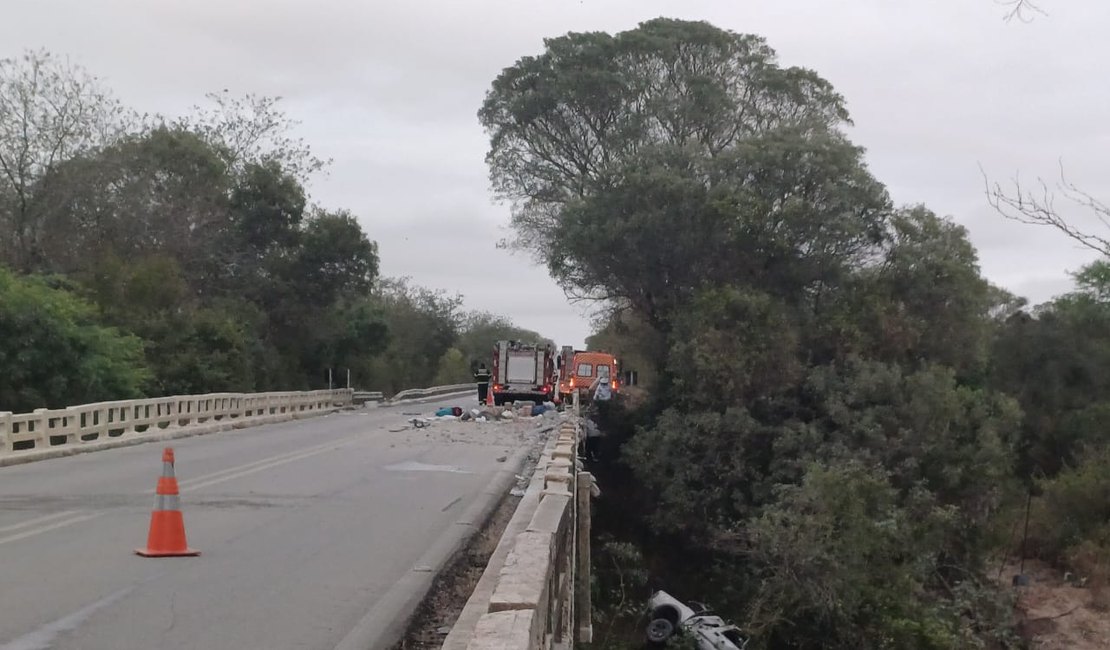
{"x": 143, "y": 255}
{"x": 845, "y": 418}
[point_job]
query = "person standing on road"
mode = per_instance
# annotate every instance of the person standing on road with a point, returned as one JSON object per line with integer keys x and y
{"x": 481, "y": 377}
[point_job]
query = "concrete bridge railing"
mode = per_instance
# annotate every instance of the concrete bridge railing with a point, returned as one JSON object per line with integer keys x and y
{"x": 90, "y": 424}
{"x": 535, "y": 591}
{"x": 435, "y": 391}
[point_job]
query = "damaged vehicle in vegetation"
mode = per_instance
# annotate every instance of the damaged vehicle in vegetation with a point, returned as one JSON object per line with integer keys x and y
{"x": 669, "y": 617}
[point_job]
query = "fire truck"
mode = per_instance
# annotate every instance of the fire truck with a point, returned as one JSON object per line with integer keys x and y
{"x": 522, "y": 371}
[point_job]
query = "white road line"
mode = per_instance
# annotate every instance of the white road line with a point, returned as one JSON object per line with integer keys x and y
{"x": 36, "y": 520}
{"x": 231, "y": 470}
{"x": 43, "y": 638}
{"x": 59, "y": 524}
{"x": 195, "y": 483}
{"x": 259, "y": 468}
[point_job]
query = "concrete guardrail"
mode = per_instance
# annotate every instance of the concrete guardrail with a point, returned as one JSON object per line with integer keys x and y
{"x": 535, "y": 593}
{"x": 363, "y": 396}
{"x": 435, "y": 391}
{"x": 96, "y": 424}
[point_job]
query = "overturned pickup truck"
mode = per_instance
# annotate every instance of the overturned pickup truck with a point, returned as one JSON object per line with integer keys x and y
{"x": 669, "y": 616}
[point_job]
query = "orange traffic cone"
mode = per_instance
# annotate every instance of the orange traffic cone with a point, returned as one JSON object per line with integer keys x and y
{"x": 167, "y": 526}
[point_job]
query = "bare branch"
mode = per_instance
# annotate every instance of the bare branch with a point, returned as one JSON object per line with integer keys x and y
{"x": 1037, "y": 207}
{"x": 1022, "y": 10}
{"x": 50, "y": 110}
{"x": 252, "y": 129}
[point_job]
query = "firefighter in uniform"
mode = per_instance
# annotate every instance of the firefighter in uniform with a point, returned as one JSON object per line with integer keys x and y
{"x": 481, "y": 377}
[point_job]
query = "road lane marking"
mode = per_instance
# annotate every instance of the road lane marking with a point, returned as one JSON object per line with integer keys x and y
{"x": 202, "y": 480}
{"x": 43, "y": 638}
{"x": 59, "y": 524}
{"x": 258, "y": 468}
{"x": 238, "y": 468}
{"x": 195, "y": 483}
{"x": 37, "y": 520}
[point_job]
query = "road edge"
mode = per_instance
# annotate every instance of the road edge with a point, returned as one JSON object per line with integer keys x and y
{"x": 388, "y": 619}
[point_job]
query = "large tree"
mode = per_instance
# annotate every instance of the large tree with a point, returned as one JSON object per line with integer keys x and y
{"x": 559, "y": 121}
{"x": 807, "y": 333}
{"x": 787, "y": 210}
{"x": 50, "y": 110}
{"x": 160, "y": 192}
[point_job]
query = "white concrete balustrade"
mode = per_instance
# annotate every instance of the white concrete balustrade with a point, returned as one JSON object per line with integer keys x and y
{"x": 434, "y": 391}
{"x": 97, "y": 423}
{"x": 534, "y": 594}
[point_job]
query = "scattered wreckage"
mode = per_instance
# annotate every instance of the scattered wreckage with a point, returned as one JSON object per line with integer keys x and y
{"x": 669, "y": 617}
{"x": 496, "y": 413}
{"x": 540, "y": 414}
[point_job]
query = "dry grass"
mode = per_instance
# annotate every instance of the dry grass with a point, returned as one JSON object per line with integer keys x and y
{"x": 1059, "y": 614}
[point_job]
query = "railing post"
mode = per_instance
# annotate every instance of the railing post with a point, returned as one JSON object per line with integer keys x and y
{"x": 101, "y": 423}
{"x": 583, "y": 605}
{"x": 71, "y": 426}
{"x": 42, "y": 428}
{"x": 126, "y": 414}
{"x": 6, "y": 444}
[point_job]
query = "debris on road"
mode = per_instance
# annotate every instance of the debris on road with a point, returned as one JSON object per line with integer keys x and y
{"x": 546, "y": 413}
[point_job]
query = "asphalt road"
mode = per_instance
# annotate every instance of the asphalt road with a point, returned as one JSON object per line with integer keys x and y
{"x": 304, "y": 528}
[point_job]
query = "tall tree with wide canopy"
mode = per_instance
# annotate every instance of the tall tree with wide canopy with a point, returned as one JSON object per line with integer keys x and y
{"x": 561, "y": 124}
{"x": 798, "y": 320}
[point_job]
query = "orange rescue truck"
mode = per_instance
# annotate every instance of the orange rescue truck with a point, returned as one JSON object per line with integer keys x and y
{"x": 579, "y": 370}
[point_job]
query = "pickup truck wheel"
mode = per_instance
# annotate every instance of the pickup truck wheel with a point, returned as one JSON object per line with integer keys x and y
{"x": 659, "y": 630}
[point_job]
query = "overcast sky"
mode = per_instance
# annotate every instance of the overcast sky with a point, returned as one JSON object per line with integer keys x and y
{"x": 390, "y": 90}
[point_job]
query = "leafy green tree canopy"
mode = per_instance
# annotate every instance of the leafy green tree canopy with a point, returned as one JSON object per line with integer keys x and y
{"x": 54, "y": 354}
{"x": 558, "y": 121}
